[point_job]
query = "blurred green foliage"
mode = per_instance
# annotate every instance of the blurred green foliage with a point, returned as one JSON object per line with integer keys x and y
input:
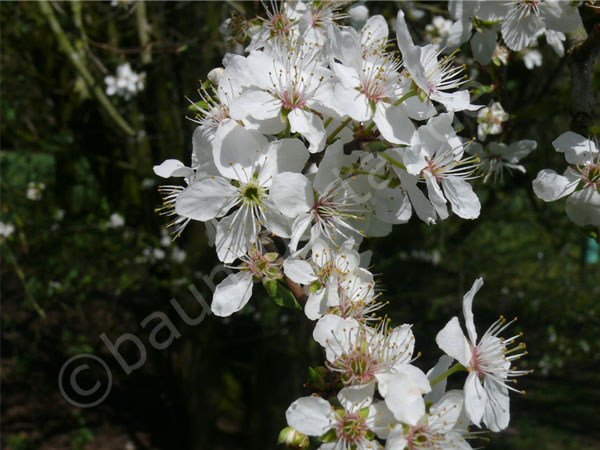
{"x": 70, "y": 272}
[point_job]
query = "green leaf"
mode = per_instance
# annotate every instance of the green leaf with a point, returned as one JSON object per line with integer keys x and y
{"x": 330, "y": 436}
{"x": 281, "y": 295}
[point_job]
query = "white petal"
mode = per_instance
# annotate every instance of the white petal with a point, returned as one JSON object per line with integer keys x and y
{"x": 460, "y": 31}
{"x": 468, "y": 309}
{"x": 445, "y": 413}
{"x": 375, "y": 32}
{"x": 350, "y": 102}
{"x": 285, "y": 155}
{"x": 463, "y": 200}
{"x": 347, "y": 76}
{"x": 519, "y": 150}
{"x": 316, "y": 305}
{"x": 561, "y": 16}
{"x": 329, "y": 168}
{"x": 354, "y": 398}
{"x": 206, "y": 198}
{"x": 497, "y": 411}
{"x": 236, "y": 149}
{"x": 299, "y": 271}
{"x": 275, "y": 221}
{"x": 576, "y": 148}
{"x": 452, "y": 341}
{"x": 435, "y": 195}
{"x": 550, "y": 186}
{"x": 393, "y": 123}
{"x": 411, "y": 54}
{"x": 455, "y": 101}
{"x": 518, "y": 31}
{"x": 235, "y": 233}
{"x": 299, "y": 228}
{"x": 172, "y": 168}
{"x": 310, "y": 126}
{"x": 438, "y": 390}
{"x": 380, "y": 419}
{"x": 232, "y": 294}
{"x": 415, "y": 158}
{"x": 556, "y": 39}
{"x": 309, "y": 415}
{"x": 202, "y": 155}
{"x": 255, "y": 103}
{"x": 396, "y": 439}
{"x": 403, "y": 393}
{"x": 421, "y": 204}
{"x": 583, "y": 207}
{"x": 332, "y": 333}
{"x": 483, "y": 45}
{"x": 344, "y": 45}
{"x": 292, "y": 193}
{"x": 476, "y": 398}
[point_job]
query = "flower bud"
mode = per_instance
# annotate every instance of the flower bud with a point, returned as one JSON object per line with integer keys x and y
{"x": 214, "y": 76}
{"x": 293, "y": 438}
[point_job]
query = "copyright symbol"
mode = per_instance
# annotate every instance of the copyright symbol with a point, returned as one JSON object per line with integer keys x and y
{"x": 84, "y": 380}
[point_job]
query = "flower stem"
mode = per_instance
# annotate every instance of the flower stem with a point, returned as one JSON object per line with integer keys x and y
{"x": 337, "y": 130}
{"x": 392, "y": 161}
{"x": 409, "y": 94}
{"x": 455, "y": 368}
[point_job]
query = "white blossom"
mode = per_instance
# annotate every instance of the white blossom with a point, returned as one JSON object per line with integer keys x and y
{"x": 488, "y": 361}
{"x": 580, "y": 181}
{"x": 126, "y": 83}
{"x": 490, "y": 119}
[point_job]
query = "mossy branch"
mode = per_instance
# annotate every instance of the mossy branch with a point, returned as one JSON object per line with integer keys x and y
{"x": 142, "y": 28}
{"x": 73, "y": 56}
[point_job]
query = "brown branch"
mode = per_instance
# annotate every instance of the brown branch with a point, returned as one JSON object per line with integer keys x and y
{"x": 582, "y": 52}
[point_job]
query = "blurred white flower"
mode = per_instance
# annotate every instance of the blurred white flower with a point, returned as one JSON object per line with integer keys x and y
{"x": 34, "y": 190}
{"x": 6, "y": 229}
{"x": 116, "y": 221}
{"x": 178, "y": 255}
{"x": 438, "y": 30}
{"x": 500, "y": 55}
{"x": 490, "y": 120}
{"x": 532, "y": 58}
{"x": 126, "y": 83}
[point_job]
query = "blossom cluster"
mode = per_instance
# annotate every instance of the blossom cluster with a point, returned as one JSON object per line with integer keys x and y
{"x": 322, "y": 135}
{"x": 126, "y": 83}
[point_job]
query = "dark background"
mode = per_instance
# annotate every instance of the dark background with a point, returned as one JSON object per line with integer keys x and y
{"x": 68, "y": 277}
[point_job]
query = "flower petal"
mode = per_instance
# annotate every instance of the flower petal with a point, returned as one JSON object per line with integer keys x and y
{"x": 299, "y": 271}
{"x": 310, "y": 126}
{"x": 206, "y": 198}
{"x": 393, "y": 123}
{"x": 497, "y": 410}
{"x": 468, "y": 309}
{"x": 309, "y": 415}
{"x": 476, "y": 398}
{"x": 463, "y": 200}
{"x": 452, "y": 341}
{"x": 232, "y": 294}
{"x": 583, "y": 207}
{"x": 292, "y": 193}
{"x": 285, "y": 155}
{"x": 172, "y": 168}
{"x": 550, "y": 186}
{"x": 236, "y": 150}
